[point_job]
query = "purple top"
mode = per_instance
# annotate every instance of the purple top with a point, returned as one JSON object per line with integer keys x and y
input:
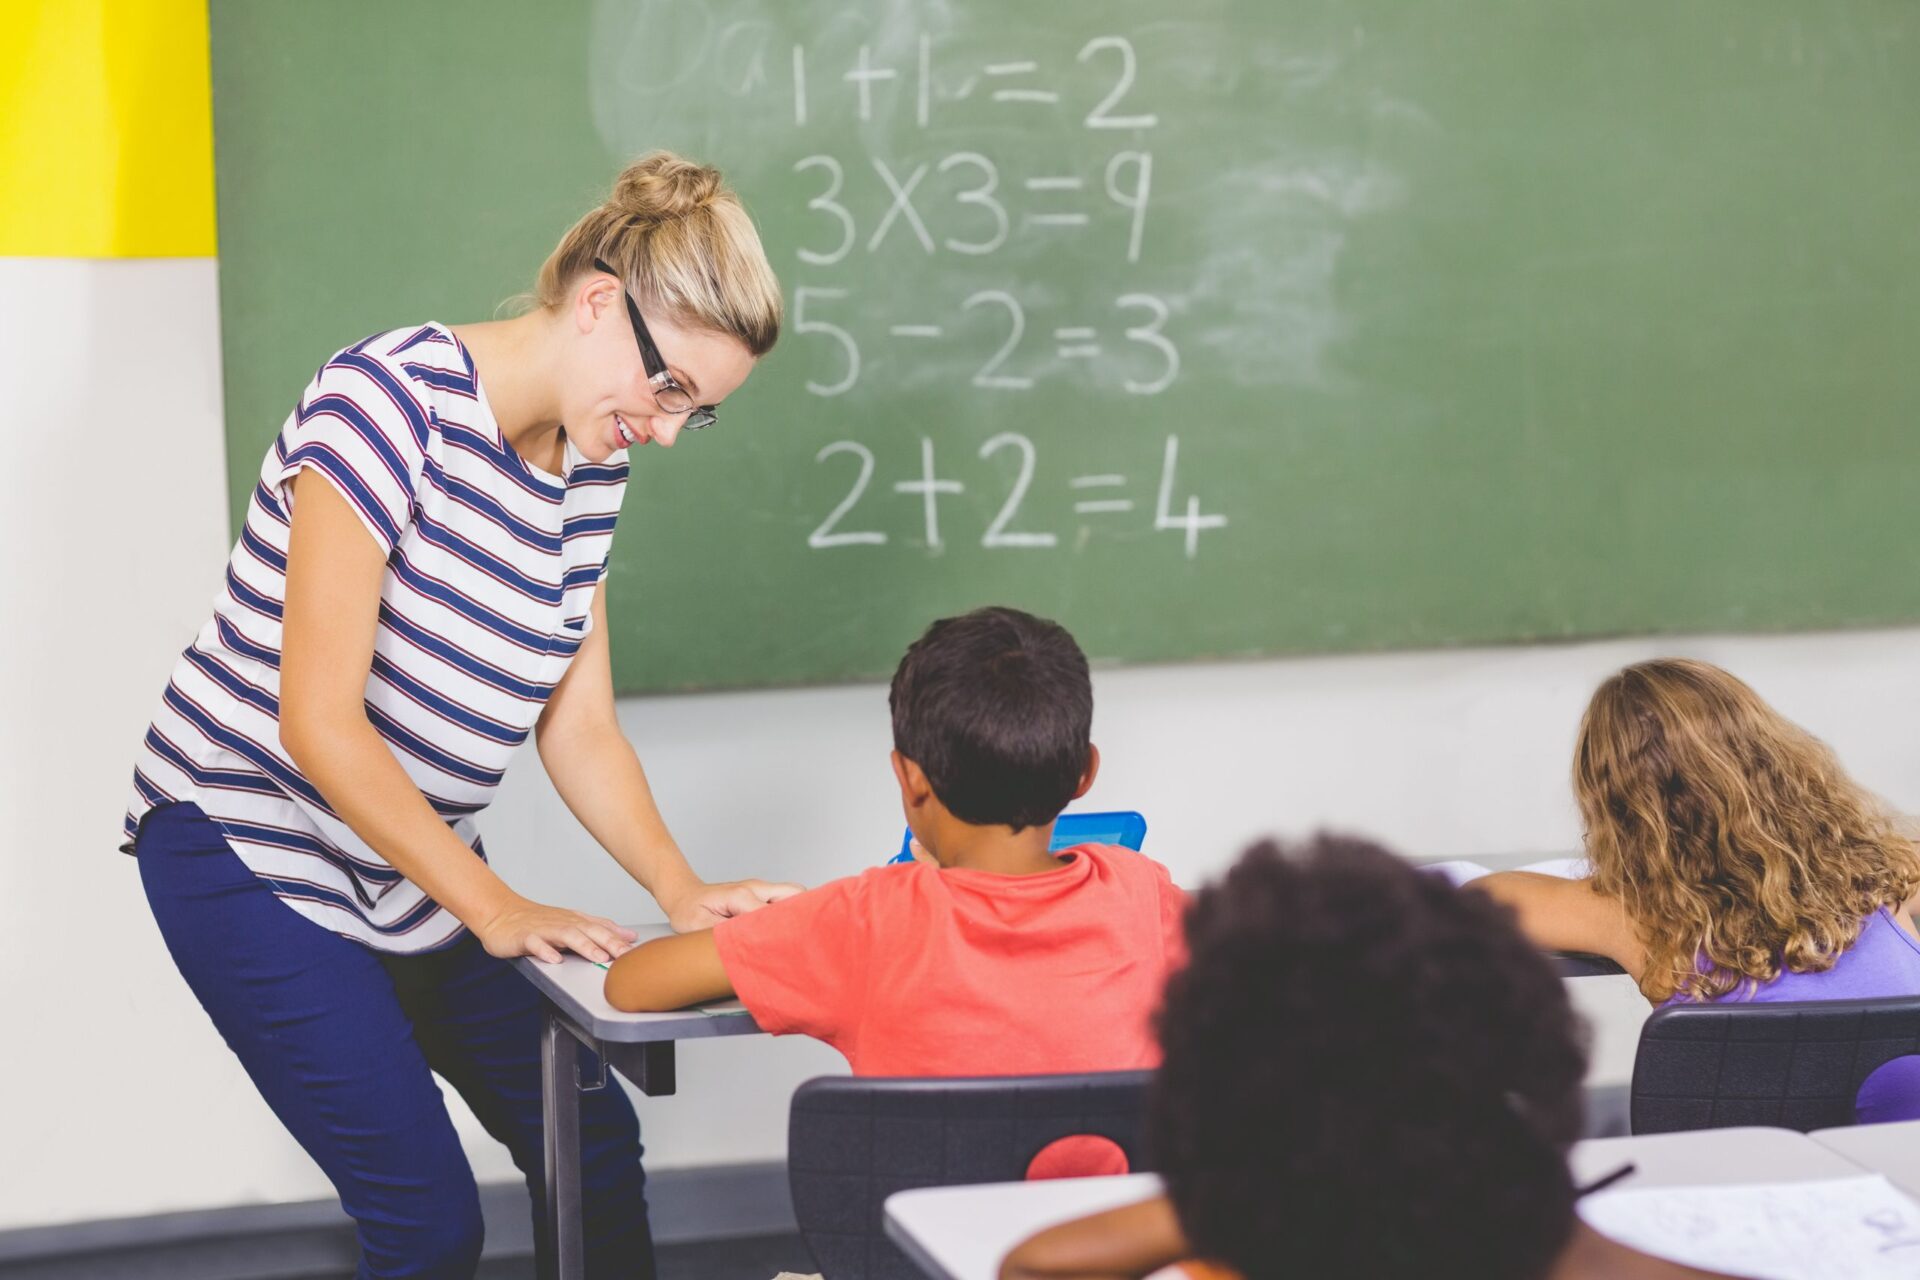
{"x": 1883, "y": 961}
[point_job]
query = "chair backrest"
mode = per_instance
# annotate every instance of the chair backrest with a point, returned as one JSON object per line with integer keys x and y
{"x": 1121, "y": 827}
{"x": 853, "y": 1141}
{"x": 1797, "y": 1065}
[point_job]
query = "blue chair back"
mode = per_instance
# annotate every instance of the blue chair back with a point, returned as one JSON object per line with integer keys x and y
{"x": 1121, "y": 827}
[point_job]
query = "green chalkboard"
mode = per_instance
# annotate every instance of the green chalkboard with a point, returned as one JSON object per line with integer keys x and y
{"x": 1209, "y": 328}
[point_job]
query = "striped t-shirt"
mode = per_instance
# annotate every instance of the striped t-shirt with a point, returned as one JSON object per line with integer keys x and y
{"x": 492, "y": 566}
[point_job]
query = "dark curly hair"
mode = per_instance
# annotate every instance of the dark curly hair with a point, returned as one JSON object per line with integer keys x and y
{"x": 996, "y": 706}
{"x": 1367, "y": 1073}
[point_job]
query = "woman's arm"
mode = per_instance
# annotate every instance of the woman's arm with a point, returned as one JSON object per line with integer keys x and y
{"x": 1119, "y": 1244}
{"x": 598, "y": 775}
{"x": 668, "y": 973}
{"x": 1567, "y": 915}
{"x": 334, "y": 572}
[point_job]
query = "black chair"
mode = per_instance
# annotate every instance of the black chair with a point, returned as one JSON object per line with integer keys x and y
{"x": 852, "y": 1142}
{"x": 1795, "y": 1065}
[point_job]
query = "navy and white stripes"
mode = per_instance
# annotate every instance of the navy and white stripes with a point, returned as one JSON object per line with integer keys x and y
{"x": 491, "y": 570}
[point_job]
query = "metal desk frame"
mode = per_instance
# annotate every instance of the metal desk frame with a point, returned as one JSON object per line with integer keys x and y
{"x": 640, "y": 1046}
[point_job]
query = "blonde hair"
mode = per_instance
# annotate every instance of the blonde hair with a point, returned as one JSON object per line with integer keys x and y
{"x": 682, "y": 241}
{"x": 1732, "y": 836}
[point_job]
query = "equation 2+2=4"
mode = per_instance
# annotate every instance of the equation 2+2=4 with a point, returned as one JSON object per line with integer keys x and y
{"x": 1092, "y": 496}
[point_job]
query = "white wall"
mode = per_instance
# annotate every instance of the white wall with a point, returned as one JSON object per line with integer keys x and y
{"x": 109, "y": 388}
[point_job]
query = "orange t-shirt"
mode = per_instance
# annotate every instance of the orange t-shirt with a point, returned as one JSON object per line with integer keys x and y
{"x": 916, "y": 970}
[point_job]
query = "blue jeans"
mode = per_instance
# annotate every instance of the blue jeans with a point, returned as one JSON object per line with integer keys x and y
{"x": 343, "y": 1043}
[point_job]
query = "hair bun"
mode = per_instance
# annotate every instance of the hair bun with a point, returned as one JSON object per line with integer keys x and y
{"x": 662, "y": 186}
{"x": 683, "y": 243}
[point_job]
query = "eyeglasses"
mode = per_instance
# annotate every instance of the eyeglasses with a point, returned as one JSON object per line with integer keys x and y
{"x": 668, "y": 394}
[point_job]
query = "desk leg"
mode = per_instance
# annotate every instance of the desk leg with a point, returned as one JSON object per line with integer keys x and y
{"x": 563, "y": 1249}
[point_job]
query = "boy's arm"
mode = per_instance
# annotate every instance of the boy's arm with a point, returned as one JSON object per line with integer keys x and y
{"x": 800, "y": 965}
{"x": 1120, "y": 1244}
{"x": 668, "y": 973}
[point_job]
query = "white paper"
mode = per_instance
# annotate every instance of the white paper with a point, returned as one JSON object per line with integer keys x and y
{"x": 1566, "y": 868}
{"x": 1831, "y": 1229}
{"x": 1458, "y": 870}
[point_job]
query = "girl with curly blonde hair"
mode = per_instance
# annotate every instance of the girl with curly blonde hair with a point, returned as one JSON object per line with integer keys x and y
{"x": 1733, "y": 858}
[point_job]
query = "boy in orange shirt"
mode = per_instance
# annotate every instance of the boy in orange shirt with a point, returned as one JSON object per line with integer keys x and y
{"x": 990, "y": 955}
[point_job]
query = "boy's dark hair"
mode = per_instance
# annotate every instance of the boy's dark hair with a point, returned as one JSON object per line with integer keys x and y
{"x": 1368, "y": 1072}
{"x": 996, "y": 707}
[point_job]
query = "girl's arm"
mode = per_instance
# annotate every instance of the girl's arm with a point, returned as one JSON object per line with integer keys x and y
{"x": 597, "y": 774}
{"x": 1120, "y": 1244}
{"x": 334, "y": 572}
{"x": 1567, "y": 915}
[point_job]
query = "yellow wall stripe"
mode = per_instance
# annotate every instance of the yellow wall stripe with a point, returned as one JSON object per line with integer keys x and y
{"x": 106, "y": 129}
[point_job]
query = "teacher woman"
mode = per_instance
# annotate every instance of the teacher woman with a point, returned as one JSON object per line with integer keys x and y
{"x": 419, "y": 584}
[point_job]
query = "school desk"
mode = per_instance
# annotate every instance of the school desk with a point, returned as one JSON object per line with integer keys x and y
{"x": 962, "y": 1233}
{"x": 639, "y": 1046}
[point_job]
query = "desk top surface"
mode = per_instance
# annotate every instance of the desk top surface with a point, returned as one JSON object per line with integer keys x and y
{"x": 962, "y": 1233}
{"x": 1716, "y": 1157}
{"x": 577, "y": 988}
{"x": 1889, "y": 1149}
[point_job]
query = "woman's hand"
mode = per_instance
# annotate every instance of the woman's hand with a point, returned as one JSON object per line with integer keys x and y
{"x": 701, "y": 905}
{"x": 525, "y": 928}
{"x": 597, "y": 774}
